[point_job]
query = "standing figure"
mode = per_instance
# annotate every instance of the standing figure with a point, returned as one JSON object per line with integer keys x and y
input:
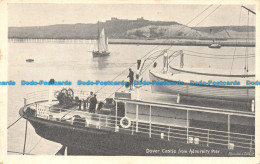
{"x": 131, "y": 78}
{"x": 93, "y": 103}
{"x": 88, "y": 98}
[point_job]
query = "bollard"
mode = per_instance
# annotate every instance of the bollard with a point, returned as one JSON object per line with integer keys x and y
{"x": 178, "y": 98}
{"x": 196, "y": 141}
{"x": 190, "y": 140}
{"x": 162, "y": 135}
{"x": 117, "y": 129}
{"x": 253, "y": 106}
{"x": 87, "y": 123}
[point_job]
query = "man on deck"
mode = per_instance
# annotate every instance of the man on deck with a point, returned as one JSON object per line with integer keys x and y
{"x": 93, "y": 103}
{"x": 89, "y": 97}
{"x": 131, "y": 78}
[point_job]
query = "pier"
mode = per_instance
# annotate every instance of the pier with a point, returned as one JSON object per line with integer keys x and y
{"x": 181, "y": 42}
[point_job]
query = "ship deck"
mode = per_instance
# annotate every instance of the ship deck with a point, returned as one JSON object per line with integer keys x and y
{"x": 207, "y": 138}
{"x": 145, "y": 94}
{"x": 180, "y": 128}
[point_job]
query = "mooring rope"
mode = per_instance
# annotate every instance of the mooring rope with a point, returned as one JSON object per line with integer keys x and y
{"x": 236, "y": 42}
{"x": 25, "y": 136}
{"x": 35, "y": 145}
{"x": 193, "y": 19}
{"x": 156, "y": 47}
{"x": 199, "y": 22}
{"x": 159, "y": 45}
{"x": 15, "y": 122}
{"x": 207, "y": 15}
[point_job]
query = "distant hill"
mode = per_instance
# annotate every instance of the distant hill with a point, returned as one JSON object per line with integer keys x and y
{"x": 130, "y": 29}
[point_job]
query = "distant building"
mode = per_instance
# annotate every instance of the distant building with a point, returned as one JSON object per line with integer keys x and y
{"x": 114, "y": 18}
{"x": 140, "y": 19}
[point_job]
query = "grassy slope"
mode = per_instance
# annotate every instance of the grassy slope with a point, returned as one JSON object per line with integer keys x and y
{"x": 130, "y": 29}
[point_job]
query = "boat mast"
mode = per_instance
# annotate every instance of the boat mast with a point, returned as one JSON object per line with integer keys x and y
{"x": 106, "y": 43}
{"x": 98, "y": 36}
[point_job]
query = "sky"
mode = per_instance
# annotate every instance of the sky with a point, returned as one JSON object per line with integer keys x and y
{"x": 48, "y": 14}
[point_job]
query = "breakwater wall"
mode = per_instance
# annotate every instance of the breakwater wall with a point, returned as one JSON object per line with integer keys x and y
{"x": 182, "y": 42}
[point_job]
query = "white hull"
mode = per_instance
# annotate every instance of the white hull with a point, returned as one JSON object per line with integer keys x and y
{"x": 215, "y": 46}
{"x": 243, "y": 93}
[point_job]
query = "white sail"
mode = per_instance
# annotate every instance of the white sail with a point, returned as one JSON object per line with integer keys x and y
{"x": 102, "y": 43}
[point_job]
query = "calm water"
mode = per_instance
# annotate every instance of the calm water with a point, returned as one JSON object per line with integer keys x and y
{"x": 74, "y": 62}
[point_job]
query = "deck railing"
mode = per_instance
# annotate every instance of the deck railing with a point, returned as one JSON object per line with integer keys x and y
{"x": 44, "y": 95}
{"x": 149, "y": 129}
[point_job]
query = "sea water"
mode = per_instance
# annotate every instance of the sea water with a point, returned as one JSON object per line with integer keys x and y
{"x": 75, "y": 62}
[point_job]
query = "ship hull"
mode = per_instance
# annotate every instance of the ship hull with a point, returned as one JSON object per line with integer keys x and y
{"x": 29, "y": 60}
{"x": 89, "y": 141}
{"x": 215, "y": 46}
{"x": 98, "y": 53}
{"x": 205, "y": 91}
{"x": 94, "y": 141}
{"x": 206, "y": 72}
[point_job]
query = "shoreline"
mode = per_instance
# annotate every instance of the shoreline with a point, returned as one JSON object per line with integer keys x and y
{"x": 183, "y": 42}
{"x": 180, "y": 42}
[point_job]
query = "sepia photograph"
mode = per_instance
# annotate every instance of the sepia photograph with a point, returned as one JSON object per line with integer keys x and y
{"x": 131, "y": 79}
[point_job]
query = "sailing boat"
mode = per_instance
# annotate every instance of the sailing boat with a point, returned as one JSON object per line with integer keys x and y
{"x": 102, "y": 44}
{"x": 215, "y": 45}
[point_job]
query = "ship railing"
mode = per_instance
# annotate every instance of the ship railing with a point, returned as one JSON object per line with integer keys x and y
{"x": 36, "y": 96}
{"x": 84, "y": 94}
{"x": 169, "y": 132}
{"x": 43, "y": 95}
{"x": 151, "y": 129}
